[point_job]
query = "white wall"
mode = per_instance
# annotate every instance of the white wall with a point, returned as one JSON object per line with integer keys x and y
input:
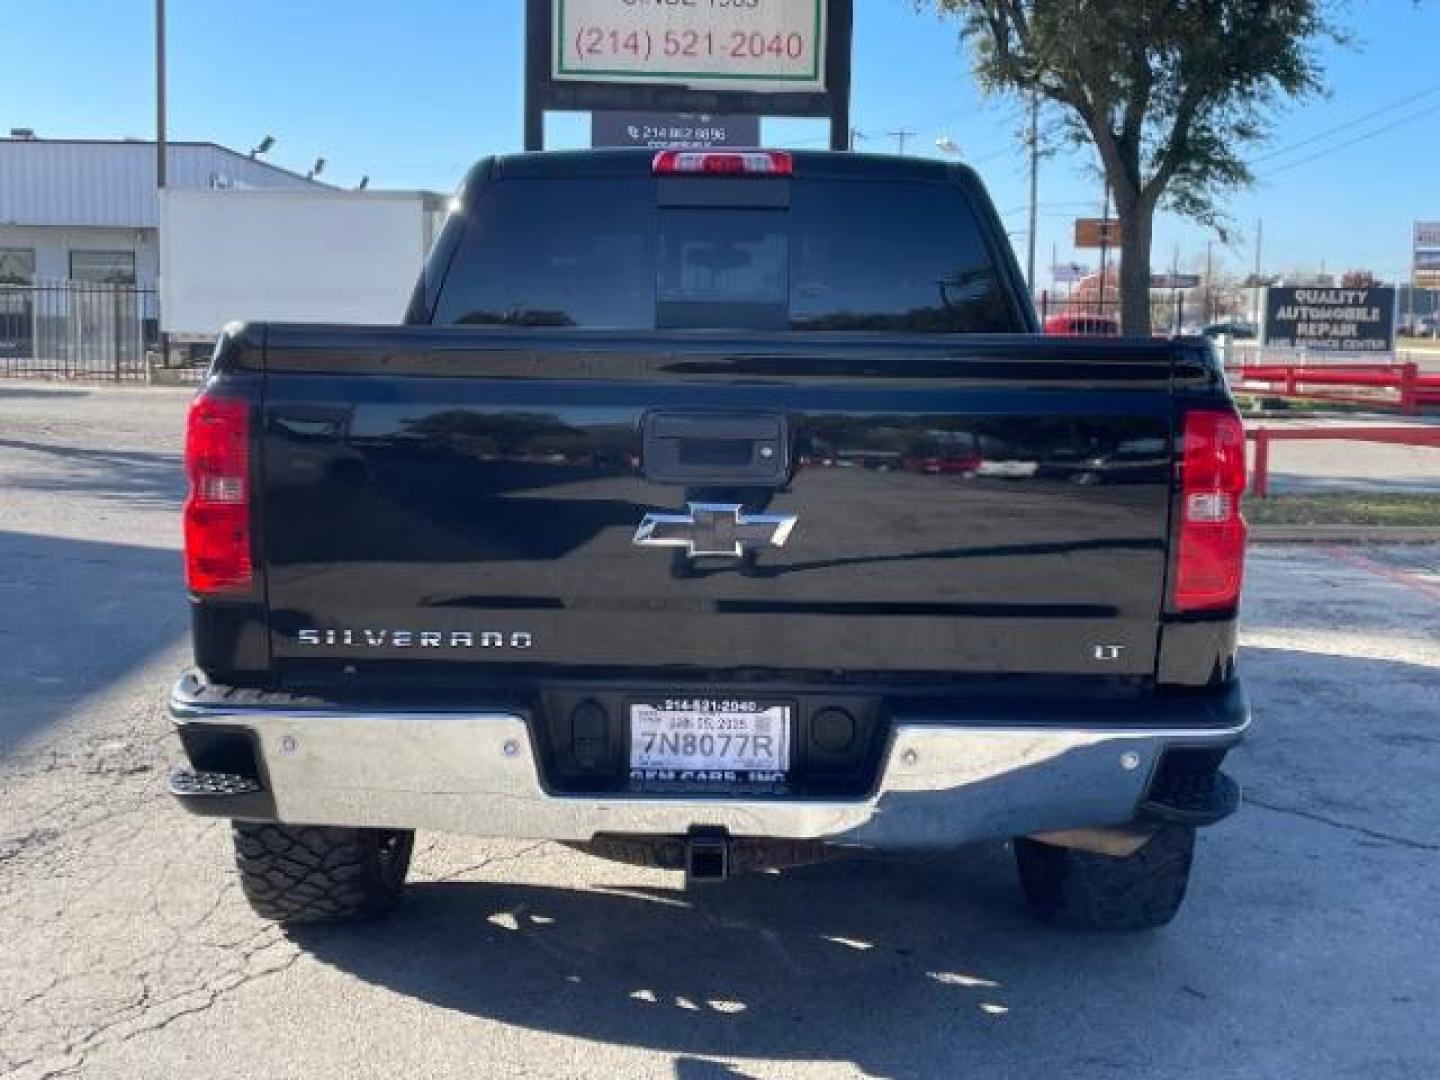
{"x": 292, "y": 256}
{"x": 52, "y": 246}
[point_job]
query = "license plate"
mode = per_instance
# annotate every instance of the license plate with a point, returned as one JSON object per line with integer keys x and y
{"x": 703, "y": 741}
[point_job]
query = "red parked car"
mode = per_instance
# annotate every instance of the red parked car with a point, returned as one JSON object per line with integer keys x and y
{"x": 1082, "y": 326}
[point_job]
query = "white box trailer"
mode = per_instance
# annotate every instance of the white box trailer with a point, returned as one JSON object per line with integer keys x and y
{"x": 293, "y": 256}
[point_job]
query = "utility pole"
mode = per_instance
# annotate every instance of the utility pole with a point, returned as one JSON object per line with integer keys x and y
{"x": 1259, "y": 244}
{"x": 1206, "y": 317}
{"x": 160, "y": 146}
{"x": 1175, "y": 302}
{"x": 1104, "y": 249}
{"x": 1034, "y": 189}
{"x": 900, "y": 137}
{"x": 856, "y": 137}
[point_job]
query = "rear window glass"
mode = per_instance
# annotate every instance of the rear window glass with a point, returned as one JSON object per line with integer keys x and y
{"x": 844, "y": 255}
{"x": 555, "y": 253}
{"x": 898, "y": 257}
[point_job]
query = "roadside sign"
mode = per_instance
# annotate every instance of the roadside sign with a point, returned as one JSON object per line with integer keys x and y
{"x": 1174, "y": 281}
{"x": 1068, "y": 273}
{"x": 1427, "y": 269}
{"x": 749, "y": 46}
{"x": 1426, "y": 273}
{"x": 1097, "y": 232}
{"x": 680, "y": 131}
{"x": 718, "y": 57}
{"x": 1330, "y": 320}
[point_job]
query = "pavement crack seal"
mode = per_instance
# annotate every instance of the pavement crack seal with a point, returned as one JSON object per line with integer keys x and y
{"x": 1374, "y": 834}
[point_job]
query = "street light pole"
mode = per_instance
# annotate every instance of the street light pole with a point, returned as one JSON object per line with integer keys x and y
{"x": 160, "y": 146}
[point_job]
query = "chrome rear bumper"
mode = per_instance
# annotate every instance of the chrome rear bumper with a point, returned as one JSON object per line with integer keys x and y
{"x": 477, "y": 773}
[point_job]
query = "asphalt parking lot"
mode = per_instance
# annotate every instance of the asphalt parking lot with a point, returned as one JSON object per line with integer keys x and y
{"x": 1309, "y": 946}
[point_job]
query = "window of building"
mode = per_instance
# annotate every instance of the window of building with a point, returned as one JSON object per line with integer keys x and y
{"x": 111, "y": 267}
{"x": 17, "y": 266}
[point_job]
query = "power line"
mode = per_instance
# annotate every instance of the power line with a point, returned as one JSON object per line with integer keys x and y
{"x": 1352, "y": 142}
{"x": 1335, "y": 130}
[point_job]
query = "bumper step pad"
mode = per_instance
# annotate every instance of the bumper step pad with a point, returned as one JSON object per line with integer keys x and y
{"x": 1190, "y": 799}
{"x": 217, "y": 794}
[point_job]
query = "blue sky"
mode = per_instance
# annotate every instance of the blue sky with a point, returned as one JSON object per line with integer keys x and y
{"x": 411, "y": 93}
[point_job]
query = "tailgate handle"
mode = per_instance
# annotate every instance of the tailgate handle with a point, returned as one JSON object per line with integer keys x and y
{"x": 716, "y": 448}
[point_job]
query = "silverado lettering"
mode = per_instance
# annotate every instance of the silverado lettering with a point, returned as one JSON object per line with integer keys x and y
{"x": 425, "y": 639}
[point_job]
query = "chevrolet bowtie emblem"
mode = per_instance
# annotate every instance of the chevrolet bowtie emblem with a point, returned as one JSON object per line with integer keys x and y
{"x": 715, "y": 529}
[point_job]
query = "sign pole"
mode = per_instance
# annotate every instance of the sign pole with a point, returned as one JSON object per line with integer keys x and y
{"x": 837, "y": 72}
{"x": 537, "y": 71}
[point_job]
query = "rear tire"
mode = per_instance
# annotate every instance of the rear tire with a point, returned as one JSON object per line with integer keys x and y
{"x": 1082, "y": 890}
{"x": 311, "y": 874}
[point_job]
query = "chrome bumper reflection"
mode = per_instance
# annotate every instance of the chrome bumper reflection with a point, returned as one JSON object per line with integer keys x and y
{"x": 478, "y": 774}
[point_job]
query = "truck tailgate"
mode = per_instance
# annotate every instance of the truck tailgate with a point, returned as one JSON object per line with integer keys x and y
{"x": 458, "y": 497}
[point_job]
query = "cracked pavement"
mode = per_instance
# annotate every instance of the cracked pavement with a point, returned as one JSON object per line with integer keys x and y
{"x": 1308, "y": 947}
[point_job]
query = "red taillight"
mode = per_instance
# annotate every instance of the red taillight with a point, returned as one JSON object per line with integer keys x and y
{"x": 1212, "y": 531}
{"x": 723, "y": 163}
{"x": 217, "y": 510}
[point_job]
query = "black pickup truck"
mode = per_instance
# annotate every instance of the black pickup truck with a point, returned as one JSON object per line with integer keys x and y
{"x": 713, "y": 511}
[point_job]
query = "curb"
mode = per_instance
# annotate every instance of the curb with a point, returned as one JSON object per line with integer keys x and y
{"x": 1345, "y": 534}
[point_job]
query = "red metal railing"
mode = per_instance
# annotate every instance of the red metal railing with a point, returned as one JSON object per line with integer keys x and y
{"x": 1262, "y": 437}
{"x": 1410, "y": 389}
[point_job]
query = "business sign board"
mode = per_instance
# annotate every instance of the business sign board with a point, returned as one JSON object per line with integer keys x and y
{"x": 1330, "y": 320}
{"x": 1068, "y": 273}
{"x": 680, "y": 131}
{"x": 1427, "y": 255}
{"x": 755, "y": 45}
{"x": 726, "y": 57}
{"x": 1097, "y": 232}
{"x": 1174, "y": 281}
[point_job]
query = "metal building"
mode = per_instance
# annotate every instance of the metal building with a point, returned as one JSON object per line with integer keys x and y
{"x": 87, "y": 210}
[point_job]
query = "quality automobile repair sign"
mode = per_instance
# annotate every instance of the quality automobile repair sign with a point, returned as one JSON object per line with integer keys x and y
{"x": 757, "y": 45}
{"x": 1331, "y": 320}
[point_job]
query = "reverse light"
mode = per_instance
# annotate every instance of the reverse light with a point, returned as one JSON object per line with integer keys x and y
{"x": 723, "y": 163}
{"x": 1211, "y": 559}
{"x": 217, "y": 509}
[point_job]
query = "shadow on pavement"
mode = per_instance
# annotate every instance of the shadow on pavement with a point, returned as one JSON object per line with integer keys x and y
{"x": 899, "y": 966}
{"x": 75, "y": 616}
{"x": 917, "y": 967}
{"x": 138, "y": 477}
{"x": 1350, "y": 739}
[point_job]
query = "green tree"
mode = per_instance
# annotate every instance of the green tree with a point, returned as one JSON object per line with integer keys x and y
{"x": 1170, "y": 93}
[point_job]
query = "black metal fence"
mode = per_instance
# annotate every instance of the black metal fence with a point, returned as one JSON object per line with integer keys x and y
{"x": 77, "y": 330}
{"x": 1172, "y": 311}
